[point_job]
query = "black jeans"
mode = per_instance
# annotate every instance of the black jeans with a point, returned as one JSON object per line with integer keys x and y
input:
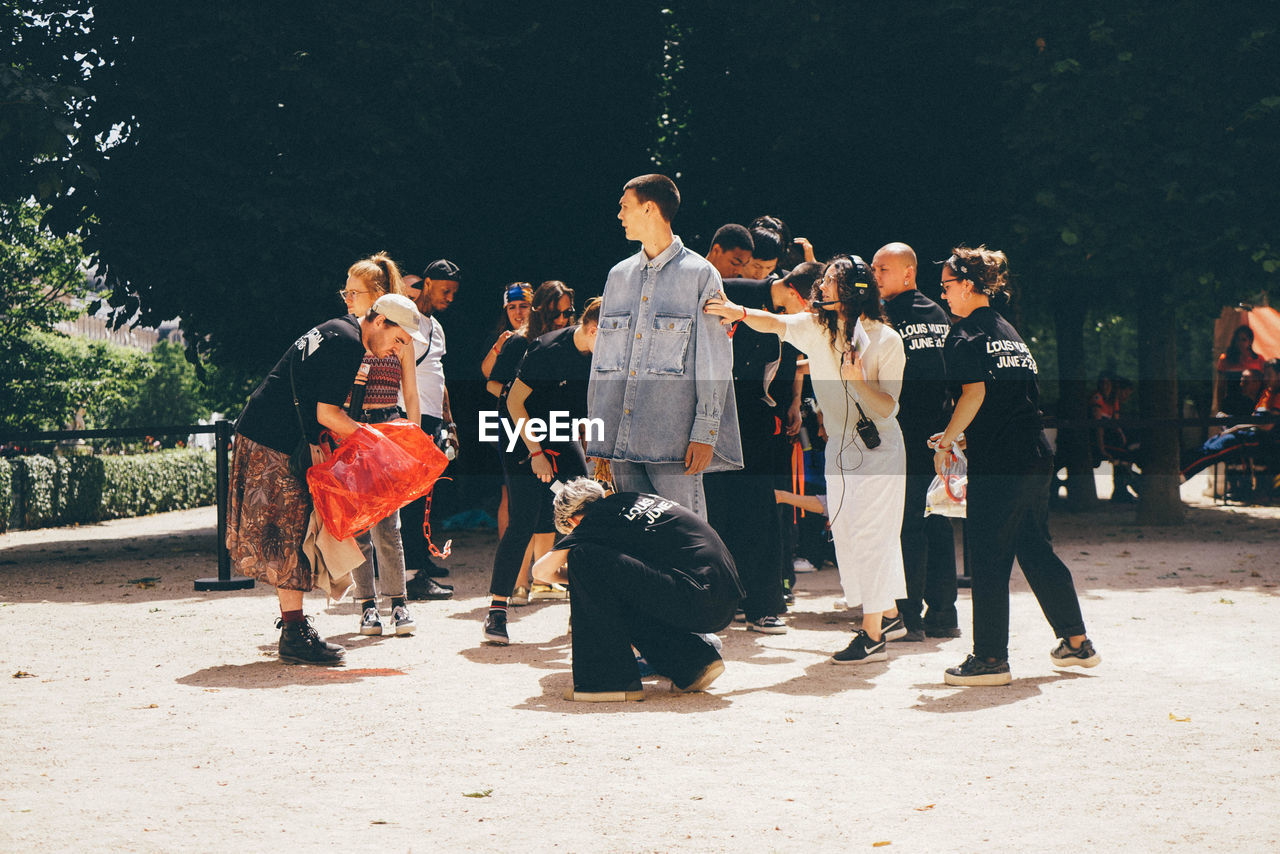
{"x": 928, "y": 550}
{"x": 1008, "y": 516}
{"x": 528, "y": 510}
{"x": 619, "y": 601}
{"x": 742, "y": 510}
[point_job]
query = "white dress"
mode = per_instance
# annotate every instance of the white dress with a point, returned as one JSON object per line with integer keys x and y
{"x": 865, "y": 488}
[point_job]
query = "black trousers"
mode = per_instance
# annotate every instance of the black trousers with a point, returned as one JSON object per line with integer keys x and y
{"x": 928, "y": 550}
{"x": 743, "y": 511}
{"x": 528, "y": 510}
{"x": 1008, "y": 516}
{"x": 619, "y": 601}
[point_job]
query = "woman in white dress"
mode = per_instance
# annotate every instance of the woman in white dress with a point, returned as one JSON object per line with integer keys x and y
{"x": 856, "y": 360}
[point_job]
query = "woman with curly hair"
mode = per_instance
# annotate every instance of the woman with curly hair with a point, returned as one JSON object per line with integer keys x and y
{"x": 993, "y": 377}
{"x": 856, "y": 361}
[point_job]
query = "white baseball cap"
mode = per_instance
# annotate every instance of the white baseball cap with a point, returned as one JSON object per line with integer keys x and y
{"x": 401, "y": 311}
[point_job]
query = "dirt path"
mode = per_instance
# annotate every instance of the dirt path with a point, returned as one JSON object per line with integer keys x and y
{"x": 141, "y": 716}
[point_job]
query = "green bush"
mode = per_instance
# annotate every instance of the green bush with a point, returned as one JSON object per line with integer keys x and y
{"x": 6, "y": 494}
{"x": 153, "y": 483}
{"x": 37, "y": 491}
{"x": 34, "y": 481}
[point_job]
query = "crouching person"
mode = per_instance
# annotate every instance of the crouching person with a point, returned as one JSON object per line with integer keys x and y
{"x": 644, "y": 572}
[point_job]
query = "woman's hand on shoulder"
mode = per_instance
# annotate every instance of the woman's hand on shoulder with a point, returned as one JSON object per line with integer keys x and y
{"x": 720, "y": 305}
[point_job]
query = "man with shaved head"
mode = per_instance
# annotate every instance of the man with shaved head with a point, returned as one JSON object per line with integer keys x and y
{"x": 928, "y": 547}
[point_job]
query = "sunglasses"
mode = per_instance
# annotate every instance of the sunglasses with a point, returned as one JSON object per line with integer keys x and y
{"x": 568, "y": 312}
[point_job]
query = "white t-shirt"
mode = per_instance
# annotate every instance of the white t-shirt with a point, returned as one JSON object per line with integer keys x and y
{"x": 429, "y": 358}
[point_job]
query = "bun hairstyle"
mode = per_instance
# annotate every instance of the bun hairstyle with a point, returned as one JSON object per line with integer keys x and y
{"x": 380, "y": 274}
{"x": 987, "y": 269}
{"x": 858, "y": 293}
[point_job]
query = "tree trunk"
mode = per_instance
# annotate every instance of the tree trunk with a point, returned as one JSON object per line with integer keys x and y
{"x": 1158, "y": 372}
{"x": 1073, "y": 406}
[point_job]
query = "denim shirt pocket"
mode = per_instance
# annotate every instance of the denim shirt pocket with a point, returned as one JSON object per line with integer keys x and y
{"x": 670, "y": 345}
{"x": 612, "y": 342}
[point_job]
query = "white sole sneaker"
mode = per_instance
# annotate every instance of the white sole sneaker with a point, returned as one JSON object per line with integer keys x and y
{"x": 603, "y": 696}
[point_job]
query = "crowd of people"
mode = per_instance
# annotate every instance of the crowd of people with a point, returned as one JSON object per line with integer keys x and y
{"x": 693, "y": 376}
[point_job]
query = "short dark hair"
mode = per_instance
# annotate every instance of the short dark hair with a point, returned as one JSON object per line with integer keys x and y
{"x": 658, "y": 189}
{"x": 766, "y": 244}
{"x": 733, "y": 236}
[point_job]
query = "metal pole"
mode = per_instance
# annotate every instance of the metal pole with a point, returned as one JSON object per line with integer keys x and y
{"x": 224, "y": 581}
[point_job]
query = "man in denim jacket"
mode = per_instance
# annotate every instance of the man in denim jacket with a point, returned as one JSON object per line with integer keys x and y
{"x": 661, "y": 372}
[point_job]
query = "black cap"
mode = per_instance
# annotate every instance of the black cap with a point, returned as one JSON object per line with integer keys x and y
{"x": 443, "y": 268}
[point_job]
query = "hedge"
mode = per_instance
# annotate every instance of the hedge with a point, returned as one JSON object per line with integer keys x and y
{"x": 37, "y": 491}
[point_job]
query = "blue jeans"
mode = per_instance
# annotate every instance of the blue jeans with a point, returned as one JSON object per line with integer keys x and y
{"x": 665, "y": 479}
{"x": 384, "y": 540}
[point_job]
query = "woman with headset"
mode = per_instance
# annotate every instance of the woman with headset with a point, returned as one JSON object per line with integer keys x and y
{"x": 994, "y": 378}
{"x": 856, "y": 362}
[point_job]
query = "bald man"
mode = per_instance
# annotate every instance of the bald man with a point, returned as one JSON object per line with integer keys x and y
{"x": 928, "y": 547}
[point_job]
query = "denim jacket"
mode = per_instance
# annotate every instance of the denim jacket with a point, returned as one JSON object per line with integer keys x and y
{"x": 661, "y": 374}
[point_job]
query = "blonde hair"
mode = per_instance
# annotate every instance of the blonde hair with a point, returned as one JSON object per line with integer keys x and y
{"x": 380, "y": 274}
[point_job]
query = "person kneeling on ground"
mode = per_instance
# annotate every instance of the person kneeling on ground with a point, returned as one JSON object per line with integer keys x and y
{"x": 645, "y": 572}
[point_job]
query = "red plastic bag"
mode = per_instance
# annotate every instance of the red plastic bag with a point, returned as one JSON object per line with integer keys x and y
{"x": 374, "y": 472}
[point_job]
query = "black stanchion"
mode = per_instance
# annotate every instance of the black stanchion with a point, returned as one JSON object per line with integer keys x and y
{"x": 224, "y": 581}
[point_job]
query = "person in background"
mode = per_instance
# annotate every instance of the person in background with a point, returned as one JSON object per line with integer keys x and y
{"x": 1239, "y": 438}
{"x": 440, "y": 284}
{"x": 386, "y": 379}
{"x": 516, "y": 300}
{"x": 552, "y": 381}
{"x": 269, "y": 507}
{"x": 928, "y": 543}
{"x": 551, "y": 309}
{"x": 994, "y": 382}
{"x": 645, "y": 573}
{"x": 1234, "y": 361}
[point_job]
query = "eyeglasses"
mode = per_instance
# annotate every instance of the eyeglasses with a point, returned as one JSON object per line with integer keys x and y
{"x": 947, "y": 283}
{"x": 568, "y": 312}
{"x": 348, "y": 294}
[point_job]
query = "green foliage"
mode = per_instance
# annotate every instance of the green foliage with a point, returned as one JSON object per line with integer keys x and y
{"x": 40, "y": 274}
{"x": 47, "y": 49}
{"x": 6, "y": 494}
{"x": 153, "y": 483}
{"x": 66, "y": 490}
{"x": 35, "y": 481}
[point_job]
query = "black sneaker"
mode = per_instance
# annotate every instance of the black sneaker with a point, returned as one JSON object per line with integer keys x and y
{"x": 942, "y": 631}
{"x": 423, "y": 586}
{"x": 861, "y": 650}
{"x": 977, "y": 671}
{"x": 433, "y": 570}
{"x": 495, "y": 628}
{"x": 768, "y": 625}
{"x": 1068, "y": 656}
{"x": 300, "y": 643}
{"x": 370, "y": 624}
{"x": 913, "y": 636}
{"x": 892, "y": 628}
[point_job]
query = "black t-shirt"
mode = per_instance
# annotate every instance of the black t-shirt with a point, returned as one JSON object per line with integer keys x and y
{"x": 1006, "y": 436}
{"x": 507, "y": 365}
{"x": 660, "y": 533}
{"x": 923, "y": 407}
{"x": 556, "y": 372}
{"x": 324, "y": 363}
{"x": 760, "y": 360}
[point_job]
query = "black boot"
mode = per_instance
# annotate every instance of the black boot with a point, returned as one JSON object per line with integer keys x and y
{"x": 300, "y": 643}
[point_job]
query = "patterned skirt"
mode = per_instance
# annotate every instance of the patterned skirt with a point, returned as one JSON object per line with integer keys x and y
{"x": 267, "y": 518}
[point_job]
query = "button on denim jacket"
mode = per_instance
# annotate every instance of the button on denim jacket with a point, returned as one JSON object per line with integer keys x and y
{"x": 661, "y": 373}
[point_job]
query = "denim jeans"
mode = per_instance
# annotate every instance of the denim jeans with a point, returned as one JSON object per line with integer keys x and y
{"x": 384, "y": 540}
{"x": 665, "y": 479}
